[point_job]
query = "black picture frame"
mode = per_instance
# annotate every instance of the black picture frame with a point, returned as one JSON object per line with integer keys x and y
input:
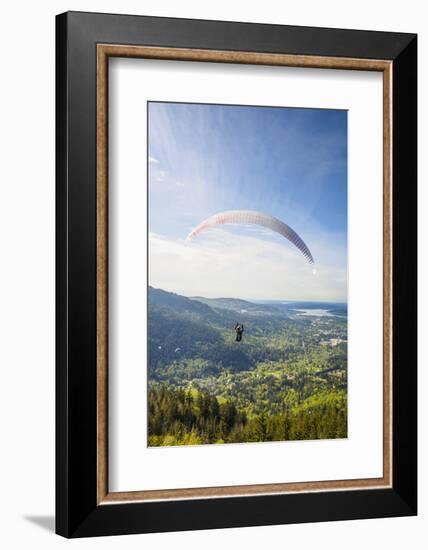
{"x": 77, "y": 511}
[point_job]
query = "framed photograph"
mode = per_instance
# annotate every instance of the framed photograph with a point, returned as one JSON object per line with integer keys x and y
{"x": 236, "y": 274}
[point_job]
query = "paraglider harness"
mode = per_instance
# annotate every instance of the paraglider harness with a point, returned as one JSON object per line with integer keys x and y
{"x": 239, "y": 329}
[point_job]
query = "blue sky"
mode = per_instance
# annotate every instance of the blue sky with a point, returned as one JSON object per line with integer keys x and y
{"x": 289, "y": 163}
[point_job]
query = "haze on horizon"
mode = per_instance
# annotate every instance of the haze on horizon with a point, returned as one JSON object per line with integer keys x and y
{"x": 289, "y": 163}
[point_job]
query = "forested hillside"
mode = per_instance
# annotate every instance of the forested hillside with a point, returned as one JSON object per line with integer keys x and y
{"x": 286, "y": 379}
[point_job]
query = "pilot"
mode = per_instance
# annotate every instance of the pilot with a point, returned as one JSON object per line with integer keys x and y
{"x": 239, "y": 329}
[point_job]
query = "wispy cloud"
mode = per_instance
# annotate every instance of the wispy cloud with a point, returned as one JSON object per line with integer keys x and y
{"x": 245, "y": 265}
{"x": 153, "y": 160}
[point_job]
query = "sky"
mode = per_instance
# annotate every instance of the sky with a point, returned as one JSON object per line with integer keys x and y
{"x": 286, "y": 162}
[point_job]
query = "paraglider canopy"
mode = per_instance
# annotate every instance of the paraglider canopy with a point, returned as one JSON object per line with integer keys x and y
{"x": 254, "y": 218}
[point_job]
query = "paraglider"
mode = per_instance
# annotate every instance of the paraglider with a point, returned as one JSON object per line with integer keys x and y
{"x": 239, "y": 329}
{"x": 254, "y": 218}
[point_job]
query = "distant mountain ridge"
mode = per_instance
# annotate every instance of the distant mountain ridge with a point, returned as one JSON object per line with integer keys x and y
{"x": 238, "y": 305}
{"x": 162, "y": 298}
{"x": 210, "y": 308}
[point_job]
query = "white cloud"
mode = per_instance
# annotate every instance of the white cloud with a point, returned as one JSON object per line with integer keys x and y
{"x": 246, "y": 265}
{"x": 153, "y": 160}
{"x": 160, "y": 176}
